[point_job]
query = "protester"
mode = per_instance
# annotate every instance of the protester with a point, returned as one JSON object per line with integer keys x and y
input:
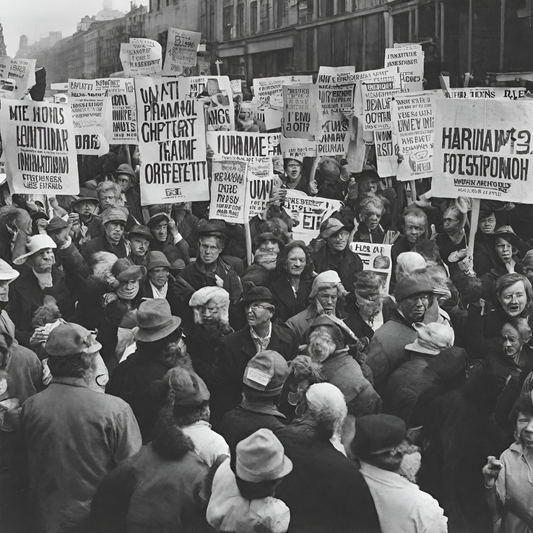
{"x": 159, "y": 281}
{"x": 371, "y": 210}
{"x": 484, "y": 256}
{"x": 139, "y": 238}
{"x": 86, "y": 207}
{"x": 415, "y": 227}
{"x": 73, "y": 432}
{"x": 15, "y": 228}
{"x": 125, "y": 177}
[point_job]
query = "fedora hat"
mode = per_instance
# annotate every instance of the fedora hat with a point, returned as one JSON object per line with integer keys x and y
{"x": 71, "y": 339}
{"x": 155, "y": 320}
{"x": 257, "y": 294}
{"x": 35, "y": 244}
{"x": 124, "y": 270}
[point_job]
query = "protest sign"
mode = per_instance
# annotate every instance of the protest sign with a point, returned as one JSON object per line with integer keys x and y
{"x": 413, "y": 128}
{"x": 236, "y": 87}
{"x": 377, "y": 95}
{"x": 370, "y": 76}
{"x": 307, "y": 213}
{"x": 336, "y": 89}
{"x": 483, "y": 149}
{"x": 375, "y": 257}
{"x": 387, "y": 160}
{"x": 141, "y": 57}
{"x": 182, "y": 46}
{"x": 269, "y": 92}
{"x": 243, "y": 145}
{"x": 297, "y": 148}
{"x": 512, "y": 93}
{"x": 171, "y": 143}
{"x": 39, "y": 144}
{"x": 91, "y": 116}
{"x": 410, "y": 63}
{"x": 335, "y": 135}
{"x": 17, "y": 77}
{"x": 228, "y": 189}
{"x": 300, "y": 111}
{"x": 258, "y": 192}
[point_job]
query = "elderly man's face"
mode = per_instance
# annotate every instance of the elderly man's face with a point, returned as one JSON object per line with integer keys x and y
{"x": 210, "y": 313}
{"x": 512, "y": 342}
{"x": 257, "y": 314}
{"x": 524, "y": 430}
{"x": 107, "y": 199}
{"x": 371, "y": 217}
{"x": 158, "y": 276}
{"x": 296, "y": 262}
{"x": 504, "y": 249}
{"x": 139, "y": 245}
{"x": 85, "y": 209}
{"x": 514, "y": 299}
{"x": 338, "y": 241}
{"x": 114, "y": 230}
{"x": 42, "y": 261}
{"x": 328, "y": 299}
{"x": 414, "y": 307}
{"x": 209, "y": 250}
{"x": 414, "y": 228}
{"x": 321, "y": 345}
{"x": 270, "y": 245}
{"x": 124, "y": 181}
{"x": 451, "y": 224}
{"x": 487, "y": 225}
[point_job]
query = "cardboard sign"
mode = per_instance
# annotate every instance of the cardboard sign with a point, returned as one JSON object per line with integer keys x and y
{"x": 241, "y": 145}
{"x": 171, "y": 143}
{"x": 269, "y": 91}
{"x": 377, "y": 95}
{"x": 182, "y": 49}
{"x": 372, "y": 76}
{"x": 375, "y": 257}
{"x": 141, "y": 57}
{"x": 386, "y": 158}
{"x": 413, "y": 129}
{"x": 483, "y": 149}
{"x": 307, "y": 213}
{"x": 335, "y": 135}
{"x": 17, "y": 77}
{"x": 39, "y": 146}
{"x": 297, "y": 148}
{"x": 300, "y": 111}
{"x": 410, "y": 64}
{"x": 336, "y": 89}
{"x": 512, "y": 93}
{"x": 228, "y": 189}
{"x": 91, "y": 116}
{"x": 258, "y": 192}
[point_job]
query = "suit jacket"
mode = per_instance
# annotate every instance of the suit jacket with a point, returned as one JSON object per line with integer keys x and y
{"x": 101, "y": 244}
{"x": 288, "y": 305}
{"x": 234, "y": 352}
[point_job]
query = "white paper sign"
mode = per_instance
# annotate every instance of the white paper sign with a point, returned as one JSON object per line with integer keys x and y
{"x": 182, "y": 46}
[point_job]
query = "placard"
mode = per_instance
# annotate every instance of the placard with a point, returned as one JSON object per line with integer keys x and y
{"x": 182, "y": 50}
{"x": 375, "y": 257}
{"x": 377, "y": 95}
{"x": 483, "y": 149}
{"x": 300, "y": 111}
{"x": 91, "y": 116}
{"x": 171, "y": 143}
{"x": 269, "y": 91}
{"x": 17, "y": 77}
{"x": 141, "y": 57}
{"x": 39, "y": 147}
{"x": 336, "y": 89}
{"x": 387, "y": 160}
{"x": 297, "y": 148}
{"x": 335, "y": 135}
{"x": 243, "y": 145}
{"x": 410, "y": 64}
{"x": 511, "y": 93}
{"x": 228, "y": 189}
{"x": 258, "y": 191}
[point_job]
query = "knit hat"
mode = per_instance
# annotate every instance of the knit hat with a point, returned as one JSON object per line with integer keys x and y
{"x": 188, "y": 387}
{"x": 261, "y": 457}
{"x": 411, "y": 286}
{"x": 154, "y": 260}
{"x": 71, "y": 339}
{"x": 375, "y": 434}
{"x": 432, "y": 338}
{"x": 7, "y": 273}
{"x": 35, "y": 244}
{"x": 114, "y": 214}
{"x": 265, "y": 374}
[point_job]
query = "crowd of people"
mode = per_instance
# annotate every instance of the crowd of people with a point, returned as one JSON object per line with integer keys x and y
{"x": 152, "y": 379}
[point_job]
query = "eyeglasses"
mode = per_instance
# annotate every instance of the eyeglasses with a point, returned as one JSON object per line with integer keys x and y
{"x": 414, "y": 299}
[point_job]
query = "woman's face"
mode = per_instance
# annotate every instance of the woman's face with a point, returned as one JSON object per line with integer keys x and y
{"x": 487, "y": 225}
{"x": 295, "y": 263}
{"x": 514, "y": 299}
{"x": 524, "y": 430}
{"x": 512, "y": 343}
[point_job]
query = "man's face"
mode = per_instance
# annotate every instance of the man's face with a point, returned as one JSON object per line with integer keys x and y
{"x": 328, "y": 300}
{"x": 127, "y": 290}
{"x": 210, "y": 313}
{"x": 160, "y": 231}
{"x": 139, "y": 245}
{"x": 124, "y": 181}
{"x": 158, "y": 276}
{"x": 85, "y": 209}
{"x": 107, "y": 199}
{"x": 371, "y": 217}
{"x": 209, "y": 250}
{"x": 414, "y": 229}
{"x": 294, "y": 169}
{"x": 487, "y": 225}
{"x": 414, "y": 307}
{"x": 4, "y": 290}
{"x": 452, "y": 224}
{"x": 514, "y": 299}
{"x": 270, "y": 245}
{"x": 296, "y": 262}
{"x": 504, "y": 249}
{"x": 42, "y": 261}
{"x": 368, "y": 186}
{"x": 524, "y": 430}
{"x": 257, "y": 314}
{"x": 512, "y": 343}
{"x": 114, "y": 231}
{"x": 338, "y": 241}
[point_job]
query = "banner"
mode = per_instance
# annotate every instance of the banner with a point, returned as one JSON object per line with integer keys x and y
{"x": 141, "y": 57}
{"x": 410, "y": 64}
{"x": 171, "y": 143}
{"x": 269, "y": 91}
{"x": 300, "y": 111}
{"x": 483, "y": 149}
{"x": 182, "y": 49}
{"x": 335, "y": 135}
{"x": 336, "y": 89}
{"x": 307, "y": 213}
{"x": 413, "y": 127}
{"x": 39, "y": 146}
{"x": 375, "y": 257}
{"x": 512, "y": 93}
{"x": 377, "y": 95}
{"x": 228, "y": 190}
{"x": 91, "y": 116}
{"x": 17, "y": 77}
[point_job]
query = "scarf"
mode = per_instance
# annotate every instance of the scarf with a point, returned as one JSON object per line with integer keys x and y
{"x": 45, "y": 279}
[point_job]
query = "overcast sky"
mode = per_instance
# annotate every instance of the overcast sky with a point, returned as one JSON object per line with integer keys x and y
{"x": 36, "y": 18}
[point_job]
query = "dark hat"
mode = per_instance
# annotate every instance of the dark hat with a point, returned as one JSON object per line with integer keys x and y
{"x": 37, "y": 215}
{"x": 157, "y": 215}
{"x": 268, "y": 236}
{"x": 86, "y": 195}
{"x": 114, "y": 214}
{"x": 212, "y": 227}
{"x": 265, "y": 374}
{"x": 155, "y": 320}
{"x": 329, "y": 169}
{"x": 125, "y": 169}
{"x": 368, "y": 174}
{"x": 335, "y": 331}
{"x": 155, "y": 259}
{"x": 411, "y": 286}
{"x": 141, "y": 231}
{"x": 508, "y": 233}
{"x": 331, "y": 226}
{"x": 188, "y": 387}
{"x": 56, "y": 224}
{"x": 375, "y": 434}
{"x": 124, "y": 270}
{"x": 71, "y": 339}
{"x": 257, "y": 294}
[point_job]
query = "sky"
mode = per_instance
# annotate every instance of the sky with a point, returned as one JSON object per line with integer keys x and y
{"x": 37, "y": 18}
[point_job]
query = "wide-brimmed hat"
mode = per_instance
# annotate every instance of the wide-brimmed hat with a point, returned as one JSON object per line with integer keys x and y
{"x": 411, "y": 286}
{"x": 7, "y": 273}
{"x": 71, "y": 339}
{"x": 56, "y": 224}
{"x": 261, "y": 457}
{"x": 508, "y": 233}
{"x": 86, "y": 195}
{"x": 189, "y": 388}
{"x": 155, "y": 320}
{"x": 35, "y": 244}
{"x": 125, "y": 169}
{"x": 114, "y": 214}
{"x": 375, "y": 434}
{"x": 154, "y": 260}
{"x": 432, "y": 338}
{"x": 265, "y": 374}
{"x": 141, "y": 231}
{"x": 125, "y": 270}
{"x": 331, "y": 226}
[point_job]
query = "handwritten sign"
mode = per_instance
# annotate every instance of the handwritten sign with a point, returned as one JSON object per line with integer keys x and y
{"x": 17, "y": 77}
{"x": 141, "y": 57}
{"x": 336, "y": 89}
{"x": 91, "y": 116}
{"x": 182, "y": 46}
{"x": 512, "y": 93}
{"x": 335, "y": 135}
{"x": 269, "y": 91}
{"x": 228, "y": 189}
{"x": 39, "y": 145}
{"x": 375, "y": 257}
{"x": 377, "y": 95}
{"x": 300, "y": 113}
{"x": 410, "y": 64}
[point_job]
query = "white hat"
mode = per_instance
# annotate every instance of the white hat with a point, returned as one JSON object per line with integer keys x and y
{"x": 296, "y": 157}
{"x": 35, "y": 244}
{"x": 7, "y": 273}
{"x": 432, "y": 338}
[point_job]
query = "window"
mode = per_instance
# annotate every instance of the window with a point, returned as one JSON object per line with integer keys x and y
{"x": 327, "y": 8}
{"x": 240, "y": 20}
{"x": 227, "y": 22}
{"x": 281, "y": 10}
{"x": 341, "y": 6}
{"x": 265, "y": 25}
{"x": 253, "y": 17}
